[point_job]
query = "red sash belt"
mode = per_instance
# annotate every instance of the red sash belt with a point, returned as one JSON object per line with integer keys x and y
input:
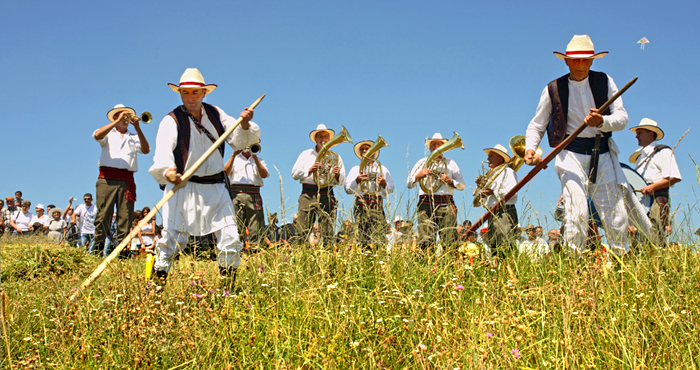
{"x": 370, "y": 201}
{"x": 120, "y": 174}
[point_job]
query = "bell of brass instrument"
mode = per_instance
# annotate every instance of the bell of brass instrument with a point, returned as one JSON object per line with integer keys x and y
{"x": 329, "y": 159}
{"x": 517, "y": 146}
{"x": 370, "y": 186}
{"x": 432, "y": 182}
{"x": 255, "y": 149}
{"x": 145, "y": 117}
{"x": 484, "y": 182}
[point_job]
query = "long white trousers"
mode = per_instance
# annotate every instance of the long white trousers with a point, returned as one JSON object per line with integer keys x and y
{"x": 606, "y": 193}
{"x": 228, "y": 245}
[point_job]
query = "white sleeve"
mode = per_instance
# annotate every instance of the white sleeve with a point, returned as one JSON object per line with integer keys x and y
{"x": 456, "y": 175}
{"x": 618, "y": 118}
{"x": 538, "y": 125}
{"x": 163, "y": 159}
{"x": 389, "y": 181}
{"x": 240, "y": 138}
{"x": 351, "y": 186}
{"x": 411, "y": 182}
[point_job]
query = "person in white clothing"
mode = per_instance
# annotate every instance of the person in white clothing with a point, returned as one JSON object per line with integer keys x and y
{"x": 503, "y": 224}
{"x": 657, "y": 164}
{"x": 203, "y": 205}
{"x": 246, "y": 172}
{"x": 115, "y": 184}
{"x": 86, "y": 213}
{"x": 589, "y": 165}
{"x": 534, "y": 247}
{"x": 436, "y": 209}
{"x": 369, "y": 206}
{"x": 21, "y": 223}
{"x": 317, "y": 204}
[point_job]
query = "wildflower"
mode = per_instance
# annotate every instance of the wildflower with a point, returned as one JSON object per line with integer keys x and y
{"x": 422, "y": 347}
{"x": 379, "y": 320}
{"x": 192, "y": 283}
{"x": 354, "y": 344}
{"x": 515, "y": 352}
{"x": 286, "y": 259}
{"x": 459, "y": 287}
{"x": 248, "y": 306}
{"x": 196, "y": 296}
{"x": 96, "y": 355}
{"x": 212, "y": 290}
{"x": 489, "y": 335}
{"x": 261, "y": 269}
{"x": 226, "y": 293}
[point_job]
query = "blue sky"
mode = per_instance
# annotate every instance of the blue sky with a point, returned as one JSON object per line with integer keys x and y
{"x": 402, "y": 69}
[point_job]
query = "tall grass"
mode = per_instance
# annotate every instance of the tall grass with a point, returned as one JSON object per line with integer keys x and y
{"x": 341, "y": 307}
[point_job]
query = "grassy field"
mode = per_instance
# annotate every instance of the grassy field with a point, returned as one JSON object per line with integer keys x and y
{"x": 343, "y": 308}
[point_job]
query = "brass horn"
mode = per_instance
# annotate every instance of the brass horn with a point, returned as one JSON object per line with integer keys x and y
{"x": 517, "y": 146}
{"x": 255, "y": 149}
{"x": 329, "y": 159}
{"x": 145, "y": 117}
{"x": 370, "y": 186}
{"x": 432, "y": 182}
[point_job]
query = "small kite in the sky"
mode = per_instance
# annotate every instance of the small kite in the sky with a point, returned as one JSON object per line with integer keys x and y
{"x": 643, "y": 41}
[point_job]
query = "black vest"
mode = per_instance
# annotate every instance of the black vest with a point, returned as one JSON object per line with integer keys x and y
{"x": 559, "y": 96}
{"x": 183, "y": 133}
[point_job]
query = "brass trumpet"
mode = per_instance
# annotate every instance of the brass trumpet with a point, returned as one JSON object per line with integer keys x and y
{"x": 329, "y": 159}
{"x": 145, "y": 117}
{"x": 370, "y": 186}
{"x": 432, "y": 182}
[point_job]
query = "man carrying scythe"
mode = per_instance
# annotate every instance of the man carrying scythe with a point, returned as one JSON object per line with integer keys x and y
{"x": 589, "y": 165}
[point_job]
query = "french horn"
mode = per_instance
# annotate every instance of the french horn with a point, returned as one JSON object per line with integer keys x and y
{"x": 433, "y": 181}
{"x": 329, "y": 159}
{"x": 370, "y": 186}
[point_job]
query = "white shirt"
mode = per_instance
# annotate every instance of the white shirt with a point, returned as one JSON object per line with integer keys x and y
{"x": 87, "y": 218}
{"x": 306, "y": 159}
{"x": 660, "y": 166}
{"x": 580, "y": 102}
{"x": 501, "y": 185}
{"x": 119, "y": 151}
{"x": 352, "y": 187}
{"x": 23, "y": 220}
{"x": 43, "y": 220}
{"x": 166, "y": 140}
{"x": 452, "y": 171}
{"x": 198, "y": 209}
{"x": 245, "y": 171}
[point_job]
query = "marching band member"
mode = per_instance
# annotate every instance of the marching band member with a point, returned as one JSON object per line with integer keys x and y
{"x": 589, "y": 165}
{"x": 436, "y": 209}
{"x": 317, "y": 204}
{"x": 203, "y": 205}
{"x": 503, "y": 225}
{"x": 246, "y": 172}
{"x": 657, "y": 164}
{"x": 368, "y": 209}
{"x": 118, "y": 163}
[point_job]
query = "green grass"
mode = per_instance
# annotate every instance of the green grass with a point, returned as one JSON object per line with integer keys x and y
{"x": 341, "y": 308}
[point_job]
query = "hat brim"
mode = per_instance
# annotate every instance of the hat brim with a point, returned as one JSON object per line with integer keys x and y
{"x": 209, "y": 87}
{"x": 659, "y": 132}
{"x": 505, "y": 156}
{"x": 54, "y": 210}
{"x": 635, "y": 155}
{"x": 312, "y": 134}
{"x": 356, "y": 148}
{"x": 563, "y": 56}
{"x": 115, "y": 111}
{"x": 427, "y": 141}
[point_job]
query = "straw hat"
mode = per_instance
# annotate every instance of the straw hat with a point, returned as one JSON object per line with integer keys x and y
{"x": 192, "y": 79}
{"x": 118, "y": 108}
{"x": 635, "y": 155}
{"x": 651, "y": 125}
{"x": 319, "y": 128}
{"x": 359, "y": 145}
{"x": 398, "y": 218}
{"x": 436, "y": 137}
{"x": 500, "y": 150}
{"x": 529, "y": 227}
{"x": 580, "y": 47}
{"x": 54, "y": 210}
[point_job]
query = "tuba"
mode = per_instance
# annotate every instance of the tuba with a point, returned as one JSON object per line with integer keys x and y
{"x": 329, "y": 159}
{"x": 432, "y": 182}
{"x": 517, "y": 146}
{"x": 370, "y": 186}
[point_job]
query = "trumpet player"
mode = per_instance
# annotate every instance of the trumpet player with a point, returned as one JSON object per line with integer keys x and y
{"x": 317, "y": 203}
{"x": 502, "y": 228}
{"x": 118, "y": 162}
{"x": 436, "y": 208}
{"x": 371, "y": 183}
{"x": 246, "y": 172}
